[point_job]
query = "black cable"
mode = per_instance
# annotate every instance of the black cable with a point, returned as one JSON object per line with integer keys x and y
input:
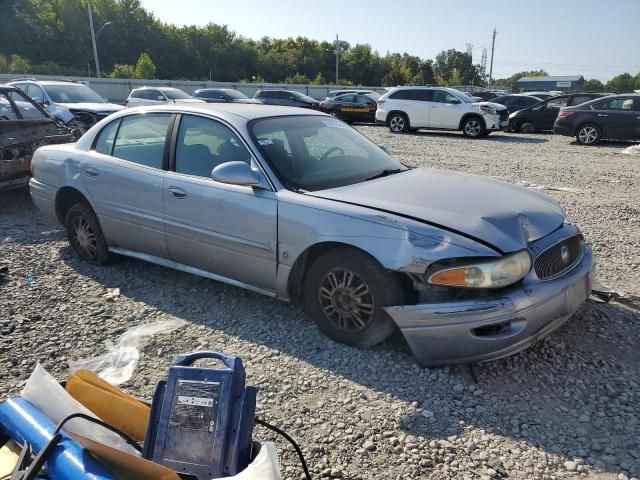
{"x": 122, "y": 435}
{"x": 291, "y": 441}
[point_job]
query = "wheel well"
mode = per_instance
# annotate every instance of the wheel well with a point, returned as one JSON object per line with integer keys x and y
{"x": 467, "y": 116}
{"x": 306, "y": 259}
{"x": 392, "y": 112}
{"x": 65, "y": 199}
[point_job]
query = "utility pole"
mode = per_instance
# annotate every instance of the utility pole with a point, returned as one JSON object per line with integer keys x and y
{"x": 337, "y": 57}
{"x": 93, "y": 39}
{"x": 493, "y": 44}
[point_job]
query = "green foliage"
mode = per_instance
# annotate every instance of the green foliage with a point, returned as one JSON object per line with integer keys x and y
{"x": 623, "y": 83}
{"x": 593, "y": 85}
{"x": 297, "y": 78}
{"x": 453, "y": 67}
{"x": 123, "y": 70}
{"x": 17, "y": 64}
{"x": 145, "y": 68}
{"x": 4, "y": 64}
{"x": 636, "y": 81}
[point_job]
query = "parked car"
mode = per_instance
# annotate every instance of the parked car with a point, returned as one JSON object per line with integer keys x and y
{"x": 412, "y": 108}
{"x": 335, "y": 93}
{"x": 541, "y": 95}
{"x": 616, "y": 117}
{"x": 287, "y": 98}
{"x": 370, "y": 244}
{"x": 158, "y": 96}
{"x": 24, "y": 126}
{"x": 352, "y": 107}
{"x": 541, "y": 116}
{"x": 517, "y": 102}
{"x": 486, "y": 96}
{"x": 223, "y": 95}
{"x": 74, "y": 104}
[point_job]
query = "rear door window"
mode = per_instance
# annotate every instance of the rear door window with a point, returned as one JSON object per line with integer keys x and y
{"x": 35, "y": 92}
{"x": 579, "y": 99}
{"x": 141, "y": 139}
{"x": 441, "y": 96}
{"x": 622, "y": 104}
{"x": 557, "y": 103}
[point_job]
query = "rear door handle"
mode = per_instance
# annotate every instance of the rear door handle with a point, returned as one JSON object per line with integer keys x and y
{"x": 603, "y": 115}
{"x": 91, "y": 172}
{"x": 177, "y": 192}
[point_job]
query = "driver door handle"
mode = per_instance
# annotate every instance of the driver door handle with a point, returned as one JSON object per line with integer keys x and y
{"x": 603, "y": 115}
{"x": 177, "y": 192}
{"x": 91, "y": 172}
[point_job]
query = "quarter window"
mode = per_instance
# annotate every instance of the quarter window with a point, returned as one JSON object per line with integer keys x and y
{"x": 141, "y": 139}
{"x": 624, "y": 104}
{"x": 203, "y": 144}
{"x": 104, "y": 143}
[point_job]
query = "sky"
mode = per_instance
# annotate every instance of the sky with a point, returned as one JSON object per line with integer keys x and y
{"x": 593, "y": 38}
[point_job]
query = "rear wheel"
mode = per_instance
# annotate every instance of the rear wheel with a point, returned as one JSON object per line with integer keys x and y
{"x": 398, "y": 123}
{"x": 85, "y": 235}
{"x": 527, "y": 127}
{"x": 588, "y": 134}
{"x": 473, "y": 127}
{"x": 345, "y": 292}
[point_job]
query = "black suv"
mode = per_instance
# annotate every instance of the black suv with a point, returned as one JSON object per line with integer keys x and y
{"x": 517, "y": 102}
{"x": 541, "y": 116}
{"x": 288, "y": 98}
{"x": 614, "y": 118}
{"x": 24, "y": 126}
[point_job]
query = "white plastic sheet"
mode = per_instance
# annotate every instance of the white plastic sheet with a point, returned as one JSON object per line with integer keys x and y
{"x": 632, "y": 150}
{"x": 47, "y": 395}
{"x": 264, "y": 467}
{"x": 118, "y": 364}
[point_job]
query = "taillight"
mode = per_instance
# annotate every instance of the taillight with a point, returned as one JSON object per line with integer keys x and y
{"x": 562, "y": 115}
{"x": 380, "y": 101}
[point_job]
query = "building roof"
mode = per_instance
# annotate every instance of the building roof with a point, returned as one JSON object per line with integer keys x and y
{"x": 569, "y": 78}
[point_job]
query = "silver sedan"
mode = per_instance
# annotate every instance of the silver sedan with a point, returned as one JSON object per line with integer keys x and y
{"x": 294, "y": 203}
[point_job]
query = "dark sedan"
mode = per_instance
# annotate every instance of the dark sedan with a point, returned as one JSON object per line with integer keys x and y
{"x": 352, "y": 107}
{"x": 541, "y": 116}
{"x": 517, "y": 102}
{"x": 288, "y": 98}
{"x": 614, "y": 118}
{"x": 223, "y": 95}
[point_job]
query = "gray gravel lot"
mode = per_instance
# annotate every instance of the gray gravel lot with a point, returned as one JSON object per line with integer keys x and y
{"x": 568, "y": 407}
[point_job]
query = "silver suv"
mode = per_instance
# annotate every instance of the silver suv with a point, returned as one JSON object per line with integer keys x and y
{"x": 412, "y": 108}
{"x": 74, "y": 104}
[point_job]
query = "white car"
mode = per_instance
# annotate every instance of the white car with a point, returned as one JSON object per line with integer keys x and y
{"x": 145, "y": 96}
{"x": 412, "y": 108}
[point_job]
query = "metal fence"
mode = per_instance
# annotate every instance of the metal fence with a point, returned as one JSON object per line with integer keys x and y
{"x": 116, "y": 89}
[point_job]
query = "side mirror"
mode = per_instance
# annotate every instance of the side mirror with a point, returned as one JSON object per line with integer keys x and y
{"x": 383, "y": 148}
{"x": 236, "y": 173}
{"x": 454, "y": 101}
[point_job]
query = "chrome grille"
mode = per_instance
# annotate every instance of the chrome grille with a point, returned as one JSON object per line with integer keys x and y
{"x": 550, "y": 263}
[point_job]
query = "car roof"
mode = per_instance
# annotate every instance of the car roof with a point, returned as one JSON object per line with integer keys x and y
{"x": 47, "y": 82}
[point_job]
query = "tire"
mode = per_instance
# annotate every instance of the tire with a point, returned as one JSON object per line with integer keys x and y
{"x": 398, "y": 123}
{"x": 85, "y": 235}
{"x": 343, "y": 281}
{"x": 588, "y": 134}
{"x": 473, "y": 127}
{"x": 527, "y": 127}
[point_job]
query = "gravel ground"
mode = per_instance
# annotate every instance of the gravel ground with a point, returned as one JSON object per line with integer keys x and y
{"x": 568, "y": 407}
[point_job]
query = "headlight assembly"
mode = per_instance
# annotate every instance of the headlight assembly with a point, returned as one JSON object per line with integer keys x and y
{"x": 487, "y": 109}
{"x": 493, "y": 274}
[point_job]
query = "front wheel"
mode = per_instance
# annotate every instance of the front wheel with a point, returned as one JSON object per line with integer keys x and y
{"x": 473, "y": 127}
{"x": 588, "y": 134}
{"x": 398, "y": 123}
{"x": 345, "y": 292}
{"x": 527, "y": 127}
{"x": 85, "y": 235}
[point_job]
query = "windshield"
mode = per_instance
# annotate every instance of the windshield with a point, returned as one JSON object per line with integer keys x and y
{"x": 175, "y": 93}
{"x": 235, "y": 94}
{"x": 464, "y": 97}
{"x": 315, "y": 153}
{"x": 373, "y": 96}
{"x": 73, "y": 93}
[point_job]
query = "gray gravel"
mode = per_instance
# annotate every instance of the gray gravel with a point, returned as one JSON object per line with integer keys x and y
{"x": 569, "y": 407}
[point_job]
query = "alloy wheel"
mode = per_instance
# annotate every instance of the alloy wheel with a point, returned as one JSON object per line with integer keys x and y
{"x": 588, "y": 135}
{"x": 472, "y": 128}
{"x": 84, "y": 237}
{"x": 346, "y": 300}
{"x": 397, "y": 123}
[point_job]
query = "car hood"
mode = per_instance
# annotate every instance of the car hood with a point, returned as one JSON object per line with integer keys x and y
{"x": 500, "y": 214}
{"x": 497, "y": 106}
{"x": 94, "y": 107}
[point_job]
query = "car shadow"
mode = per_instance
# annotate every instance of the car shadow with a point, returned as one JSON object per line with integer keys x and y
{"x": 494, "y": 137}
{"x": 520, "y": 397}
{"x": 607, "y": 143}
{"x": 576, "y": 381}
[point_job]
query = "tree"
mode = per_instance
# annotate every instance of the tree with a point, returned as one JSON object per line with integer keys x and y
{"x": 593, "y": 85}
{"x": 123, "y": 70}
{"x": 623, "y": 83}
{"x": 636, "y": 82}
{"x": 145, "y": 68}
{"x": 4, "y": 64}
{"x": 449, "y": 62}
{"x": 17, "y": 64}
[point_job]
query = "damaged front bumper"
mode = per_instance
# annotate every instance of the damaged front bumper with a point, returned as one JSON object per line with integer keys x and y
{"x": 495, "y": 327}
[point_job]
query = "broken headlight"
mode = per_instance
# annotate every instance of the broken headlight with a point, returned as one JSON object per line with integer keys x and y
{"x": 488, "y": 109}
{"x": 492, "y": 274}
